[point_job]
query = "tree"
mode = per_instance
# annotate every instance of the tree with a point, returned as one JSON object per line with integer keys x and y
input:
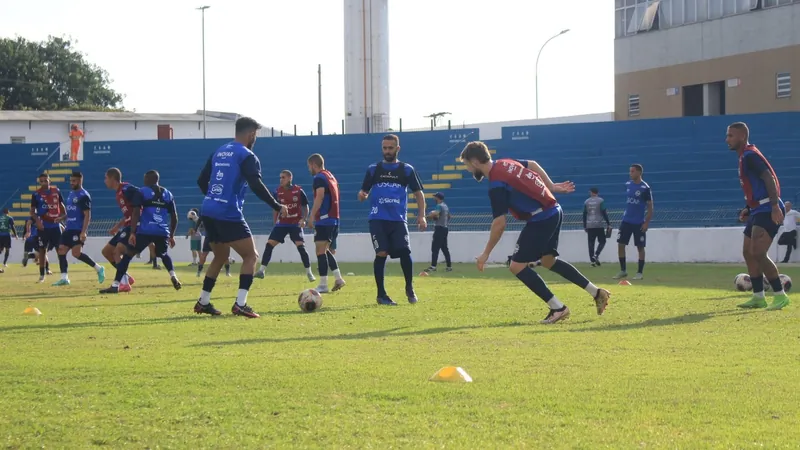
{"x": 52, "y": 76}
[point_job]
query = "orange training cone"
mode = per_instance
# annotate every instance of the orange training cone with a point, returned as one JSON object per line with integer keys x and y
{"x": 423, "y": 274}
{"x": 450, "y": 373}
{"x": 31, "y": 311}
{"x": 624, "y": 283}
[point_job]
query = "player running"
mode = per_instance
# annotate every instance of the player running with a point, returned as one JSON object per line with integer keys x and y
{"x": 224, "y": 181}
{"x": 595, "y": 217}
{"x": 6, "y": 231}
{"x": 388, "y": 182}
{"x": 524, "y": 189}
{"x": 47, "y": 209}
{"x": 296, "y": 202}
{"x": 324, "y": 220}
{"x": 764, "y": 214}
{"x": 117, "y": 246}
{"x": 635, "y": 220}
{"x": 31, "y": 250}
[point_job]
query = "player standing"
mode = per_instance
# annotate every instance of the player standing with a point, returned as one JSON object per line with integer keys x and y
{"x": 441, "y": 218}
{"x": 388, "y": 182}
{"x": 789, "y": 235}
{"x": 31, "y": 250}
{"x": 324, "y": 219}
{"x": 594, "y": 216}
{"x": 524, "y": 189}
{"x": 117, "y": 246}
{"x": 764, "y": 214}
{"x": 154, "y": 218}
{"x": 224, "y": 181}
{"x": 47, "y": 209}
{"x": 6, "y": 230}
{"x": 296, "y": 202}
{"x": 635, "y": 220}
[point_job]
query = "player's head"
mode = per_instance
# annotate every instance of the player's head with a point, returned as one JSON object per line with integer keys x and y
{"x": 44, "y": 180}
{"x": 439, "y": 197}
{"x": 151, "y": 178}
{"x": 286, "y": 178}
{"x": 113, "y": 178}
{"x": 477, "y": 159}
{"x": 788, "y": 205}
{"x": 594, "y": 192}
{"x": 5, "y": 211}
{"x": 316, "y": 163}
{"x": 636, "y": 171}
{"x": 76, "y": 180}
{"x": 246, "y": 130}
{"x": 738, "y": 136}
{"x": 390, "y": 147}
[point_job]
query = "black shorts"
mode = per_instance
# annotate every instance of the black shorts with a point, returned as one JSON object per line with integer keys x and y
{"x": 626, "y": 230}
{"x": 389, "y": 236}
{"x": 71, "y": 238}
{"x": 440, "y": 237}
{"x": 225, "y": 231}
{"x": 121, "y": 237}
{"x": 206, "y": 245}
{"x": 537, "y": 239}
{"x": 788, "y": 238}
{"x": 5, "y": 241}
{"x": 144, "y": 240}
{"x": 763, "y": 220}
{"x": 325, "y": 233}
{"x": 278, "y": 234}
{"x": 32, "y": 244}
{"x": 49, "y": 238}
{"x": 596, "y": 233}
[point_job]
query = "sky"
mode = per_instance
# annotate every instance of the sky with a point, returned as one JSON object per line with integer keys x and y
{"x": 465, "y": 57}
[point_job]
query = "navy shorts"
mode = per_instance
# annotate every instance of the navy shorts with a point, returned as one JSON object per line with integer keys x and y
{"x": 71, "y": 238}
{"x": 325, "y": 233}
{"x": 391, "y": 237}
{"x": 206, "y": 245}
{"x": 225, "y": 231}
{"x": 763, "y": 220}
{"x": 5, "y": 241}
{"x": 626, "y": 230}
{"x": 537, "y": 239}
{"x": 49, "y": 238}
{"x": 32, "y": 244}
{"x": 121, "y": 237}
{"x": 279, "y": 234}
{"x": 144, "y": 240}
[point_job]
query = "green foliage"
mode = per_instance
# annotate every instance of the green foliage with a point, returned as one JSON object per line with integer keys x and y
{"x": 52, "y": 76}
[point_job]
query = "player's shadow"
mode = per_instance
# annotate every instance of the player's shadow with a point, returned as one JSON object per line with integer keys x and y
{"x": 687, "y": 319}
{"x": 42, "y": 296}
{"x": 71, "y": 326}
{"x": 112, "y": 304}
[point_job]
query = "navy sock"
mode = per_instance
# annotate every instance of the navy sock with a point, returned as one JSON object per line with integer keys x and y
{"x": 268, "y": 255}
{"x": 199, "y": 267}
{"x": 379, "y": 266}
{"x": 5, "y": 258}
{"x": 113, "y": 264}
{"x": 332, "y": 261}
{"x": 303, "y": 256}
{"x": 86, "y": 259}
{"x": 47, "y": 265}
{"x": 122, "y": 268}
{"x": 245, "y": 281}
{"x": 41, "y": 271}
{"x": 208, "y": 284}
{"x": 62, "y": 263}
{"x": 641, "y": 266}
{"x": 408, "y": 270}
{"x": 758, "y": 283}
{"x": 167, "y": 260}
{"x": 322, "y": 265}
{"x": 622, "y": 264}
{"x": 570, "y": 273}
{"x": 227, "y": 268}
{"x": 776, "y": 284}
{"x": 535, "y": 283}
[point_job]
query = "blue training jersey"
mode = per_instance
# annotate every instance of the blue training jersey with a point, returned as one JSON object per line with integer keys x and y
{"x": 638, "y": 194}
{"x": 6, "y": 224}
{"x": 752, "y": 167}
{"x": 78, "y": 202}
{"x": 230, "y": 166}
{"x": 388, "y": 185}
{"x": 503, "y": 197}
{"x": 157, "y": 204}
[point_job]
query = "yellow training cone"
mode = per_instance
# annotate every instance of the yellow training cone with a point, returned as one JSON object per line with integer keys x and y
{"x": 451, "y": 373}
{"x": 31, "y": 311}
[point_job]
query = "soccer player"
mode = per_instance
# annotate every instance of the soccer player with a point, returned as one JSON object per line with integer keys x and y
{"x": 79, "y": 214}
{"x": 6, "y": 230}
{"x": 764, "y": 214}
{"x": 296, "y": 202}
{"x": 31, "y": 250}
{"x": 635, "y": 220}
{"x": 524, "y": 189}
{"x": 594, "y": 215}
{"x": 324, "y": 219}
{"x": 388, "y": 182}
{"x": 117, "y": 246}
{"x": 441, "y": 216}
{"x": 154, "y": 218}
{"x": 224, "y": 181}
{"x": 789, "y": 235}
{"x": 195, "y": 235}
{"x": 47, "y": 209}
{"x": 206, "y": 249}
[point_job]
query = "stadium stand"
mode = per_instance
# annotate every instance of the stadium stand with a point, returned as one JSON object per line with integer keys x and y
{"x": 691, "y": 171}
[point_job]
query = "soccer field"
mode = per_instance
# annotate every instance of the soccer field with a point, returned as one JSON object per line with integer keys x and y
{"x": 672, "y": 364}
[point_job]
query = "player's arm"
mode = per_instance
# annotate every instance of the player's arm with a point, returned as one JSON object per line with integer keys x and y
{"x": 648, "y": 198}
{"x": 319, "y": 196}
{"x": 205, "y": 177}
{"x": 435, "y": 213}
{"x": 86, "y": 207}
{"x": 757, "y": 165}
{"x": 172, "y": 207}
{"x": 585, "y": 215}
{"x": 534, "y": 166}
{"x": 63, "y": 207}
{"x": 605, "y": 213}
{"x": 304, "y": 210}
{"x": 499, "y": 198}
{"x": 251, "y": 169}
{"x": 34, "y": 215}
{"x": 366, "y": 185}
{"x": 13, "y": 228}
{"x": 415, "y": 184}
{"x": 275, "y": 213}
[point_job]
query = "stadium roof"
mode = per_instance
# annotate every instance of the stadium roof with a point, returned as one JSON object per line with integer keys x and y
{"x": 86, "y": 116}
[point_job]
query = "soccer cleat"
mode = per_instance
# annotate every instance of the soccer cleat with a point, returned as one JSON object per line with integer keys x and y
{"x": 556, "y": 315}
{"x": 101, "y": 275}
{"x": 206, "y": 309}
{"x": 412, "y": 296}
{"x": 260, "y": 274}
{"x": 638, "y": 276}
{"x": 621, "y": 274}
{"x": 601, "y": 300}
{"x": 41, "y": 279}
{"x": 597, "y": 260}
{"x": 176, "y": 283}
{"x": 110, "y": 290}
{"x": 431, "y": 269}
{"x": 338, "y": 284}
{"x": 449, "y": 269}
{"x": 593, "y": 261}
{"x": 49, "y": 272}
{"x": 24, "y": 260}
{"x": 245, "y": 311}
{"x": 131, "y": 281}
{"x": 198, "y": 274}
{"x": 755, "y": 302}
{"x": 311, "y": 277}
{"x": 157, "y": 267}
{"x": 124, "y": 288}
{"x": 778, "y": 302}
{"x": 385, "y": 300}
{"x": 61, "y": 282}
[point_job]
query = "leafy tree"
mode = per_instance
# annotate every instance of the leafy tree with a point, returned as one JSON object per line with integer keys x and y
{"x": 52, "y": 76}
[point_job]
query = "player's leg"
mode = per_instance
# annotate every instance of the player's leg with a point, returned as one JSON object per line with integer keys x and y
{"x": 161, "y": 247}
{"x": 753, "y": 269}
{"x": 333, "y": 264}
{"x": 590, "y": 238}
{"x": 436, "y": 245}
{"x": 118, "y": 285}
{"x": 601, "y": 244}
{"x": 77, "y": 253}
{"x": 623, "y": 238}
{"x": 276, "y": 237}
{"x": 323, "y": 235}
{"x": 400, "y": 243}
{"x": 380, "y": 242}
{"x": 204, "y": 305}
{"x": 296, "y": 234}
{"x": 5, "y": 246}
{"x": 640, "y": 240}
{"x": 64, "y": 246}
{"x": 764, "y": 231}
{"x": 154, "y": 257}
{"x": 446, "y": 251}
{"x": 47, "y": 241}
{"x": 203, "y": 255}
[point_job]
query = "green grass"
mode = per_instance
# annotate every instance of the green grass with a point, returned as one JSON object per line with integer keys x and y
{"x": 672, "y": 364}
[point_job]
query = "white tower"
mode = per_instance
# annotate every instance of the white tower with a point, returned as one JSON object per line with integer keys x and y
{"x": 366, "y": 66}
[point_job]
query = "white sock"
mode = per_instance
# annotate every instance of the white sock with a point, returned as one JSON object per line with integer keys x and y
{"x": 758, "y": 294}
{"x": 205, "y": 297}
{"x": 323, "y": 281}
{"x": 308, "y": 269}
{"x": 171, "y": 273}
{"x": 125, "y": 279}
{"x": 338, "y": 274}
{"x": 591, "y": 289}
{"x": 263, "y": 268}
{"x": 780, "y": 292}
{"x": 97, "y": 267}
{"x": 241, "y": 297}
{"x": 555, "y": 303}
{"x": 115, "y": 284}
{"x": 64, "y": 277}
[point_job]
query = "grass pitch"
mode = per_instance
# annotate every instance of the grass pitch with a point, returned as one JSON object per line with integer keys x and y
{"x": 672, "y": 364}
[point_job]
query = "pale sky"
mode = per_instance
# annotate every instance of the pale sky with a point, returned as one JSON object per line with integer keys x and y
{"x": 462, "y": 56}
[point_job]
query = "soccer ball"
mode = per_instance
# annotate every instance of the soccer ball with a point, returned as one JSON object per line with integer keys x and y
{"x": 309, "y": 300}
{"x": 742, "y": 282}
{"x": 787, "y": 282}
{"x": 191, "y": 215}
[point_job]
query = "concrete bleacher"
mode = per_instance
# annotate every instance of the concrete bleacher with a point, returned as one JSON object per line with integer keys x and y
{"x": 692, "y": 173}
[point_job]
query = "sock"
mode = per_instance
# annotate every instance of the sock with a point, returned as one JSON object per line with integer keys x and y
{"x": 5, "y": 258}
{"x": 777, "y": 286}
{"x": 641, "y": 266}
{"x": 338, "y": 274}
{"x": 41, "y": 271}
{"x": 155, "y": 262}
{"x": 268, "y": 256}
{"x": 113, "y": 264}
{"x": 379, "y": 266}
{"x": 571, "y": 274}
{"x": 245, "y": 281}
{"x": 47, "y": 265}
{"x": 622, "y": 264}
{"x": 322, "y": 265}
{"x": 788, "y": 253}
{"x": 208, "y": 286}
{"x": 446, "y": 253}
{"x": 227, "y": 268}
{"x": 332, "y": 263}
{"x": 122, "y": 268}
{"x": 62, "y": 263}
{"x": 167, "y": 260}
{"x": 200, "y": 267}
{"x": 408, "y": 270}
{"x": 86, "y": 259}
{"x": 758, "y": 285}
{"x": 304, "y": 256}
{"x": 536, "y": 284}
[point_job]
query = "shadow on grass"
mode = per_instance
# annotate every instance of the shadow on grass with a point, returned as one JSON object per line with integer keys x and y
{"x": 125, "y": 323}
{"x": 688, "y": 319}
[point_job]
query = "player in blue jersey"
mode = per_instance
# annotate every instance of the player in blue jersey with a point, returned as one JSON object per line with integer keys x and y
{"x": 224, "y": 181}
{"x": 79, "y": 214}
{"x": 31, "y": 250}
{"x": 6, "y": 231}
{"x": 324, "y": 220}
{"x": 48, "y": 210}
{"x": 523, "y": 188}
{"x": 154, "y": 218}
{"x": 764, "y": 214}
{"x": 635, "y": 220}
{"x": 388, "y": 182}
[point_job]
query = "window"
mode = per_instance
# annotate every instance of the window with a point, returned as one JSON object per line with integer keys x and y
{"x": 17, "y": 139}
{"x": 636, "y": 16}
{"x": 783, "y": 85}
{"x": 633, "y": 105}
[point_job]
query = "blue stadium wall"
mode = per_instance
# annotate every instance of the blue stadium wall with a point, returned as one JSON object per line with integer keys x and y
{"x": 692, "y": 173}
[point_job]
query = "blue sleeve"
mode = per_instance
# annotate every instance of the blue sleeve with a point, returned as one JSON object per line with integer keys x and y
{"x": 250, "y": 167}
{"x": 130, "y": 192}
{"x": 500, "y": 200}
{"x": 171, "y": 206}
{"x": 205, "y": 176}
{"x": 647, "y": 195}
{"x": 303, "y": 198}
{"x": 366, "y": 185}
{"x": 319, "y": 182}
{"x": 137, "y": 199}
{"x": 85, "y": 203}
{"x": 414, "y": 183}
{"x": 755, "y": 164}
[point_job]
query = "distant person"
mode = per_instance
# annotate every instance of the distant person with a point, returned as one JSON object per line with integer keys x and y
{"x": 75, "y": 136}
{"x": 195, "y": 235}
{"x": 596, "y": 224}
{"x": 789, "y": 235}
{"x": 635, "y": 220}
{"x": 441, "y": 218}
{"x": 6, "y": 230}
